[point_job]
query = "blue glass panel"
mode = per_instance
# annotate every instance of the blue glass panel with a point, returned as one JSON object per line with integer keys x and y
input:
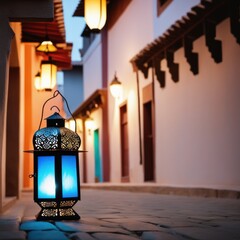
{"x": 69, "y": 177}
{"x": 46, "y": 177}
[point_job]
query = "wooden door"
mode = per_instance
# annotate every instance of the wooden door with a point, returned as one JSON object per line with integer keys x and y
{"x": 148, "y": 142}
{"x": 124, "y": 144}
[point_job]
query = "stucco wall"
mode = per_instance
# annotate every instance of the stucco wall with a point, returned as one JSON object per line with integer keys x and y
{"x": 175, "y": 11}
{"x": 197, "y": 120}
{"x": 132, "y": 31}
{"x": 92, "y": 69}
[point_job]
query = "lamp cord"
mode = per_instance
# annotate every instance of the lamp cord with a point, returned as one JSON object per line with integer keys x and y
{"x": 55, "y": 94}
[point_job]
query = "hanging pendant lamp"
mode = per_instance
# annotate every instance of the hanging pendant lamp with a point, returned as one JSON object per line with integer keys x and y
{"x": 95, "y": 13}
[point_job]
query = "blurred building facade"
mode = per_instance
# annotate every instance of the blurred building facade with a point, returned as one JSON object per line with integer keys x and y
{"x": 24, "y": 25}
{"x": 177, "y": 121}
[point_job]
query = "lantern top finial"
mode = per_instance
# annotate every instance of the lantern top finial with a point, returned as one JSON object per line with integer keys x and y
{"x": 55, "y": 120}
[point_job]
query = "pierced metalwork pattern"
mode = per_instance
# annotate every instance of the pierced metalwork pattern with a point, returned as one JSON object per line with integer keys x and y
{"x": 48, "y": 204}
{"x": 49, "y": 213}
{"x": 67, "y": 203}
{"x": 69, "y": 139}
{"x": 46, "y": 139}
{"x": 63, "y": 212}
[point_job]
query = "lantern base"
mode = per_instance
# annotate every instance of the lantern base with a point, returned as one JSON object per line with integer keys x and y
{"x": 57, "y": 210}
{"x": 57, "y": 214}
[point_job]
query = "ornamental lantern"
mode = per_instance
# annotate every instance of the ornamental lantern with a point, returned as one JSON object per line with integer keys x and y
{"x": 56, "y": 169}
{"x": 48, "y": 76}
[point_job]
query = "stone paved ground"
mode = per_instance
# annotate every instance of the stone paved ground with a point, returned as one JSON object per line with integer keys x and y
{"x": 114, "y": 215}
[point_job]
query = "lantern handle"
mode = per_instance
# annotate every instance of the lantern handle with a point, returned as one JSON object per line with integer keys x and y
{"x": 55, "y": 107}
{"x": 55, "y": 94}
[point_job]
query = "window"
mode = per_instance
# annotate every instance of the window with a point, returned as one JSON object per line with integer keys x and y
{"x": 162, "y": 5}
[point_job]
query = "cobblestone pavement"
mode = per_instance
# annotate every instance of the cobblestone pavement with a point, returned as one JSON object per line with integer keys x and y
{"x": 115, "y": 215}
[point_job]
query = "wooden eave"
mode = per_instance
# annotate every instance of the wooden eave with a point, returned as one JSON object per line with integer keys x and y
{"x": 79, "y": 11}
{"x": 201, "y": 20}
{"x": 36, "y": 32}
{"x": 92, "y": 103}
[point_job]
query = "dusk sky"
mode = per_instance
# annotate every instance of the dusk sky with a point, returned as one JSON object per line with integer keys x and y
{"x": 74, "y": 27}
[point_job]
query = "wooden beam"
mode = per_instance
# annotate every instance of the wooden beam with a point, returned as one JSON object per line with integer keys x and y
{"x": 192, "y": 58}
{"x": 214, "y": 45}
{"x": 18, "y": 11}
{"x": 159, "y": 73}
{"x": 234, "y": 19}
{"x": 172, "y": 66}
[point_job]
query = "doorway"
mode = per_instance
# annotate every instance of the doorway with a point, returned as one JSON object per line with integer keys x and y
{"x": 12, "y": 134}
{"x": 148, "y": 142}
{"x": 124, "y": 144}
{"x": 97, "y": 157}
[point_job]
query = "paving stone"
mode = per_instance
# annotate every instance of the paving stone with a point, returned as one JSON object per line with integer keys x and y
{"x": 36, "y": 225}
{"x": 181, "y": 217}
{"x": 154, "y": 220}
{"x": 10, "y": 218}
{"x": 9, "y": 225}
{"x": 93, "y": 229}
{"x": 169, "y": 223}
{"x": 139, "y": 226}
{"x": 46, "y": 235}
{"x": 99, "y": 222}
{"x": 25, "y": 219}
{"x": 81, "y": 236}
{"x": 12, "y": 235}
{"x": 66, "y": 227}
{"x": 158, "y": 236}
{"x": 113, "y": 236}
{"x": 207, "y": 233}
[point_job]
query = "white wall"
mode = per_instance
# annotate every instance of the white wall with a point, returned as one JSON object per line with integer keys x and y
{"x": 175, "y": 10}
{"x": 92, "y": 68}
{"x": 198, "y": 119}
{"x": 128, "y": 36}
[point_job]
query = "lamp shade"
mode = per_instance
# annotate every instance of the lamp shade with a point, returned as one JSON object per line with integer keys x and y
{"x": 89, "y": 124}
{"x": 46, "y": 46}
{"x": 116, "y": 87}
{"x": 95, "y": 13}
{"x": 48, "y": 76}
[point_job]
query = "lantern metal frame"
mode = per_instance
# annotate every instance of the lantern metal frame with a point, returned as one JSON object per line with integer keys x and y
{"x": 57, "y": 206}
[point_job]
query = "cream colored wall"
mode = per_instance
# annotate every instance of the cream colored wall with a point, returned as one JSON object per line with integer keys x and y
{"x": 33, "y": 101}
{"x": 128, "y": 36}
{"x": 198, "y": 120}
